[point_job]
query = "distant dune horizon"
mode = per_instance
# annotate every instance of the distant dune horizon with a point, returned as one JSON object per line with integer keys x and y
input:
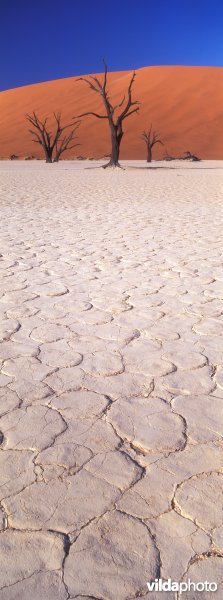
{"x": 184, "y": 104}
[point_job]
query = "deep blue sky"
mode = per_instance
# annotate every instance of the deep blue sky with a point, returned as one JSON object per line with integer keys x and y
{"x": 49, "y": 39}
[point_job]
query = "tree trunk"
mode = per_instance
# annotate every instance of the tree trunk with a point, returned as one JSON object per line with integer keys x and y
{"x": 48, "y": 156}
{"x": 57, "y": 157}
{"x": 116, "y": 137}
{"x": 149, "y": 154}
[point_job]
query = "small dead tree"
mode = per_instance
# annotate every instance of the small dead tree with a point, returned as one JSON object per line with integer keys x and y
{"x": 186, "y": 156}
{"x": 54, "y": 144}
{"x": 189, "y": 156}
{"x": 151, "y": 138}
{"x": 115, "y": 122}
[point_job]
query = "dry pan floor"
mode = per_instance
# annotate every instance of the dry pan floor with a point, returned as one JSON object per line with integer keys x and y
{"x": 111, "y": 380}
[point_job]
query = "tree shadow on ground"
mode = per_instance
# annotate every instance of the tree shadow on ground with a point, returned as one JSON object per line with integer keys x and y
{"x": 130, "y": 168}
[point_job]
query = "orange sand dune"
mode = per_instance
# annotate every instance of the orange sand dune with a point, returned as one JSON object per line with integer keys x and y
{"x": 185, "y": 105}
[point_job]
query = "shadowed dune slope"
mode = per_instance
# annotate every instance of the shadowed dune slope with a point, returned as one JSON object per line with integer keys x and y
{"x": 185, "y": 105}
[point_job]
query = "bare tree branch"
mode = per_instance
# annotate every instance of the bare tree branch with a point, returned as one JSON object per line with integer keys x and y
{"x": 135, "y": 110}
{"x": 94, "y": 114}
{"x": 105, "y": 74}
{"x": 89, "y": 83}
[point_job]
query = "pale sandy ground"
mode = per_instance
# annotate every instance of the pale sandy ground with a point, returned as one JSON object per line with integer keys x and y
{"x": 111, "y": 379}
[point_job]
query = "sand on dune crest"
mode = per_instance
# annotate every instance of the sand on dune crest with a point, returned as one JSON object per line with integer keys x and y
{"x": 183, "y": 103}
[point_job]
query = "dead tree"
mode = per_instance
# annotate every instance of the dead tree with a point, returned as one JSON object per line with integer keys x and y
{"x": 186, "y": 156}
{"x": 151, "y": 138}
{"x": 54, "y": 144}
{"x": 189, "y": 156}
{"x": 115, "y": 122}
